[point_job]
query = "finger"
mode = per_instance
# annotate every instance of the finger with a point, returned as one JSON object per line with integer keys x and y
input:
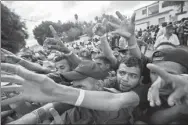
{"x": 22, "y": 72}
{"x": 149, "y": 94}
{"x": 11, "y": 100}
{"x": 120, "y": 16}
{"x": 6, "y": 52}
{"x": 155, "y": 94}
{"x": 12, "y": 79}
{"x": 152, "y": 104}
{"x": 17, "y": 88}
{"x": 175, "y": 96}
{"x": 123, "y": 34}
{"x": 54, "y": 33}
{"x": 113, "y": 25}
{"x": 161, "y": 72}
{"x": 56, "y": 116}
{"x": 50, "y": 41}
{"x": 55, "y": 47}
{"x": 117, "y": 21}
{"x": 133, "y": 18}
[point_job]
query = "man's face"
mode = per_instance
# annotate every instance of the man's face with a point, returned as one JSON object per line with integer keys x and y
{"x": 62, "y": 66}
{"x": 170, "y": 67}
{"x": 48, "y": 64}
{"x": 102, "y": 65}
{"x": 169, "y": 30}
{"x": 93, "y": 55}
{"x": 87, "y": 84}
{"x": 127, "y": 77}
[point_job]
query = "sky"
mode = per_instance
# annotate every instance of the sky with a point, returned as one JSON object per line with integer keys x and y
{"x": 34, "y": 12}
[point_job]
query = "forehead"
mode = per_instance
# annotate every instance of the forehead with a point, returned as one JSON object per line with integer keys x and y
{"x": 61, "y": 62}
{"x": 171, "y": 67}
{"x": 123, "y": 67}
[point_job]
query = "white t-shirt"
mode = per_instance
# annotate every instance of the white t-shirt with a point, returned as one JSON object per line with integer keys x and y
{"x": 173, "y": 39}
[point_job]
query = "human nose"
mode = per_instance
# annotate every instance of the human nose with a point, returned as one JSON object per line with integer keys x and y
{"x": 126, "y": 77}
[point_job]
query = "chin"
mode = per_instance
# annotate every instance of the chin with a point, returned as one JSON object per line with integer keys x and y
{"x": 124, "y": 89}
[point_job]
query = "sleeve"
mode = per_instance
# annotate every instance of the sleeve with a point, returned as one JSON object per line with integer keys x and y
{"x": 145, "y": 70}
{"x": 142, "y": 91}
{"x": 177, "y": 42}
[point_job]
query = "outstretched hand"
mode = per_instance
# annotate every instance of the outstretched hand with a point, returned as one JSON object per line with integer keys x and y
{"x": 178, "y": 82}
{"x": 34, "y": 87}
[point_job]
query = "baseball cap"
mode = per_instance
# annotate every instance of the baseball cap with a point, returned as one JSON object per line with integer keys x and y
{"x": 177, "y": 55}
{"x": 169, "y": 25}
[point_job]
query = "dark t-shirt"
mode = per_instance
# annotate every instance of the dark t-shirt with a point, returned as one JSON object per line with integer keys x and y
{"x": 141, "y": 90}
{"x": 145, "y": 70}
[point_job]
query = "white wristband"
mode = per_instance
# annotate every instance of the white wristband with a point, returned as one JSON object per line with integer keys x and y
{"x": 80, "y": 98}
{"x": 69, "y": 53}
{"x": 132, "y": 47}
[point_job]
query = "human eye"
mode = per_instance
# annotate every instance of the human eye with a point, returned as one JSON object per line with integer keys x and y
{"x": 122, "y": 73}
{"x": 133, "y": 75}
{"x": 62, "y": 67}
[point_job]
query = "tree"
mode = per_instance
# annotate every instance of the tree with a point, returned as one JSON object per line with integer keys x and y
{"x": 96, "y": 18}
{"x": 73, "y": 34}
{"x": 13, "y": 31}
{"x": 76, "y": 17}
{"x": 179, "y": 4}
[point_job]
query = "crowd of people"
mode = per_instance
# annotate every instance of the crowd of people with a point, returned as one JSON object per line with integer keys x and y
{"x": 108, "y": 80}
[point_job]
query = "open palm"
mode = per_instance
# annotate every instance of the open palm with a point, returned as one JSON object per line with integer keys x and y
{"x": 35, "y": 87}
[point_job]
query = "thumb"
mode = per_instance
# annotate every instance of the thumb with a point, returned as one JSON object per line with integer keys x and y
{"x": 175, "y": 96}
{"x": 56, "y": 116}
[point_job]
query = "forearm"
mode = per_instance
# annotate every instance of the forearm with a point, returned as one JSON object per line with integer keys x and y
{"x": 33, "y": 66}
{"x": 74, "y": 60}
{"x": 96, "y": 100}
{"x": 106, "y": 49}
{"x": 134, "y": 51}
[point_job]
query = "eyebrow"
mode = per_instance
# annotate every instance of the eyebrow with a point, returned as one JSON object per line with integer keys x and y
{"x": 128, "y": 72}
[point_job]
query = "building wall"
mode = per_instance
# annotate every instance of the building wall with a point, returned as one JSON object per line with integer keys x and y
{"x": 142, "y": 21}
{"x": 139, "y": 14}
{"x": 152, "y": 20}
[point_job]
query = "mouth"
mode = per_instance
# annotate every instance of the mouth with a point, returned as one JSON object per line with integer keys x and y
{"x": 124, "y": 85}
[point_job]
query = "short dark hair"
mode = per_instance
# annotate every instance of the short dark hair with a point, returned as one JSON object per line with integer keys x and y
{"x": 62, "y": 57}
{"x": 132, "y": 62}
{"x": 164, "y": 24}
{"x": 104, "y": 59}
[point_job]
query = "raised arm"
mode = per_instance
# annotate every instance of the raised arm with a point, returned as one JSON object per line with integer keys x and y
{"x": 40, "y": 88}
{"x": 126, "y": 29}
{"x": 56, "y": 44}
{"x": 106, "y": 49}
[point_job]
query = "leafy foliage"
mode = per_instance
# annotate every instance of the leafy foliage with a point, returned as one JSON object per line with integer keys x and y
{"x": 13, "y": 31}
